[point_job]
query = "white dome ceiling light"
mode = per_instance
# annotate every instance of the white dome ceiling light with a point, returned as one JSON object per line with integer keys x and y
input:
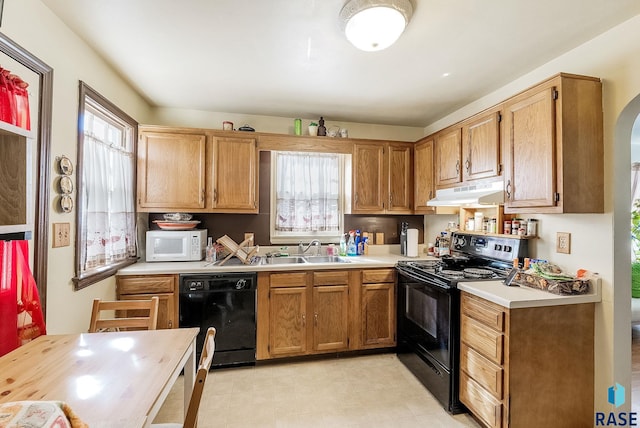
{"x": 373, "y": 25}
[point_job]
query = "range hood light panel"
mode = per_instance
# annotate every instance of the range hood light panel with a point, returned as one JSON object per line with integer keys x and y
{"x": 475, "y": 195}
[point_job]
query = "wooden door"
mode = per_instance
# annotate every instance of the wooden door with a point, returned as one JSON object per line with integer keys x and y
{"x": 378, "y": 315}
{"x": 400, "y": 173}
{"x": 369, "y": 190}
{"x": 423, "y": 175}
{"x": 330, "y": 318}
{"x": 447, "y": 157}
{"x": 481, "y": 147}
{"x": 166, "y": 308}
{"x": 530, "y": 176}
{"x": 288, "y": 323}
{"x": 171, "y": 171}
{"x": 236, "y": 174}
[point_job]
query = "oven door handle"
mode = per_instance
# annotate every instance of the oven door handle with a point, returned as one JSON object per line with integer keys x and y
{"x": 430, "y": 282}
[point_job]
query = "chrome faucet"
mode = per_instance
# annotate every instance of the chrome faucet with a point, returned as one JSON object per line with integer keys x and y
{"x": 315, "y": 242}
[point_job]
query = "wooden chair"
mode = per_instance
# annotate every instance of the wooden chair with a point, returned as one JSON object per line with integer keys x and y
{"x": 127, "y": 315}
{"x": 191, "y": 417}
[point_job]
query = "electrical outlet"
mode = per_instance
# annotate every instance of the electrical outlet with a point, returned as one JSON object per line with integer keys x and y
{"x": 563, "y": 242}
{"x": 61, "y": 232}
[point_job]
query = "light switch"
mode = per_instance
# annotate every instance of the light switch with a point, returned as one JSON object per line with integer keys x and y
{"x": 61, "y": 232}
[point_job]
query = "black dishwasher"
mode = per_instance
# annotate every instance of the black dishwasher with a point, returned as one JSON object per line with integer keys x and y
{"x": 226, "y": 301}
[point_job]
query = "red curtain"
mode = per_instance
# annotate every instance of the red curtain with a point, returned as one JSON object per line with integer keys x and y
{"x": 21, "y": 317}
{"x": 14, "y": 100}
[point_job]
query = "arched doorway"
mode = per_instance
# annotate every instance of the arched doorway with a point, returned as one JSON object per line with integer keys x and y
{"x": 621, "y": 189}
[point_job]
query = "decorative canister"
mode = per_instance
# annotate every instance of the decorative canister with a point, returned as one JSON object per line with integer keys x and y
{"x": 297, "y": 126}
{"x": 532, "y": 227}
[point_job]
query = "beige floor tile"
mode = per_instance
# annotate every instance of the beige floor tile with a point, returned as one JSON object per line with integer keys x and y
{"x": 367, "y": 391}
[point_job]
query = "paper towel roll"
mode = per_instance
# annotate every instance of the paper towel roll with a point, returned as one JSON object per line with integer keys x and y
{"x": 412, "y": 242}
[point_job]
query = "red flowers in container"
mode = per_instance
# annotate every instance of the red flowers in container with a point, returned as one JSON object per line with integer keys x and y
{"x": 14, "y": 100}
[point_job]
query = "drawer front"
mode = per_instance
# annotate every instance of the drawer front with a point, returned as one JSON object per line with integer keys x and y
{"x": 483, "y": 371}
{"x": 483, "y": 311}
{"x": 486, "y": 341}
{"x": 378, "y": 275}
{"x": 481, "y": 403}
{"x": 146, "y": 284}
{"x": 331, "y": 278}
{"x": 297, "y": 279}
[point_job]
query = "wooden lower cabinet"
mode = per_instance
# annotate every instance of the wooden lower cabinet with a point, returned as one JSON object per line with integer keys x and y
{"x": 142, "y": 287}
{"x": 378, "y": 307}
{"x": 527, "y": 367}
{"x": 306, "y": 312}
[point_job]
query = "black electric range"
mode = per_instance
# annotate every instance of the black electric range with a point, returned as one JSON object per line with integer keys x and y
{"x": 429, "y": 307}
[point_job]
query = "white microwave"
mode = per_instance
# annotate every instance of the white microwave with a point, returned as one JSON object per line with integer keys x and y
{"x": 176, "y": 245}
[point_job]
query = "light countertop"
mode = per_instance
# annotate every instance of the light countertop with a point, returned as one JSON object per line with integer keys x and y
{"x": 235, "y": 265}
{"x": 525, "y": 297}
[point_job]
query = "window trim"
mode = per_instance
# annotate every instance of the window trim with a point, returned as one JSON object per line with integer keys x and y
{"x": 81, "y": 281}
{"x": 291, "y": 238}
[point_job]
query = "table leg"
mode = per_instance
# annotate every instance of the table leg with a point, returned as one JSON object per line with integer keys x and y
{"x": 189, "y": 376}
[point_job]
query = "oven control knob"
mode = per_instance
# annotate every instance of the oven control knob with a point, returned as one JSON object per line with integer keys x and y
{"x": 459, "y": 243}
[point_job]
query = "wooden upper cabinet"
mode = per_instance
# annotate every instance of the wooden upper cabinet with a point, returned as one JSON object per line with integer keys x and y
{"x": 481, "y": 147}
{"x": 235, "y": 175}
{"x": 400, "y": 173}
{"x": 423, "y": 175}
{"x": 162, "y": 158}
{"x": 448, "y": 171}
{"x": 382, "y": 178}
{"x": 553, "y": 135}
{"x": 369, "y": 177}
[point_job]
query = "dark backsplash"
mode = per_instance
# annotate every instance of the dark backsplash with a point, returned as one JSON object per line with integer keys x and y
{"x": 235, "y": 225}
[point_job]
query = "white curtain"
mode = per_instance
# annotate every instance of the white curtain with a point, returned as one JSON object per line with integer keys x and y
{"x": 635, "y": 182}
{"x": 109, "y": 235}
{"x": 307, "y": 192}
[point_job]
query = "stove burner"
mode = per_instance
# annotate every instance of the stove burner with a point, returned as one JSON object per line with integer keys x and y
{"x": 477, "y": 273}
{"x": 456, "y": 274}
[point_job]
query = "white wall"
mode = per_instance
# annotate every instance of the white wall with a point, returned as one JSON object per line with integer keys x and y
{"x": 615, "y": 57}
{"x": 30, "y": 24}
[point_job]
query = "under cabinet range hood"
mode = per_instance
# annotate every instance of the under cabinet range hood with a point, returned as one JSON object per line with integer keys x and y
{"x": 477, "y": 194}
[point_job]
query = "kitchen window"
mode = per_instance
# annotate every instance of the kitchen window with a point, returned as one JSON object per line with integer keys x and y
{"x": 106, "y": 229}
{"x": 308, "y": 196}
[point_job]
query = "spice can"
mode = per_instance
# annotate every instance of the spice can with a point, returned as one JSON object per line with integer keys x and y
{"x": 532, "y": 227}
{"x": 507, "y": 227}
{"x": 515, "y": 225}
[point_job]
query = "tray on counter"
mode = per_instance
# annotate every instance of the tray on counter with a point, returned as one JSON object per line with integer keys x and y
{"x": 568, "y": 287}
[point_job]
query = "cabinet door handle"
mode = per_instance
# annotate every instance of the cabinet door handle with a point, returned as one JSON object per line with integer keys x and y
{"x": 170, "y": 324}
{"x": 467, "y": 165}
{"x": 304, "y": 320}
{"x": 315, "y": 319}
{"x": 215, "y": 195}
{"x": 390, "y": 201}
{"x": 355, "y": 198}
{"x": 458, "y": 166}
{"x": 508, "y": 189}
{"x": 202, "y": 196}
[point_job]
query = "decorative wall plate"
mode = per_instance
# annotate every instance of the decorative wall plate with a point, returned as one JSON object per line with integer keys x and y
{"x": 65, "y": 165}
{"x": 66, "y": 185}
{"x": 66, "y": 203}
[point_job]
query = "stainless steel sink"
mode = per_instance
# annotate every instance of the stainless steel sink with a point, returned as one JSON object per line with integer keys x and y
{"x": 326, "y": 259}
{"x": 302, "y": 259}
{"x": 282, "y": 260}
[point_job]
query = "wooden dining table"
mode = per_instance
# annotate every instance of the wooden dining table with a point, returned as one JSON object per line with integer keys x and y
{"x": 116, "y": 379}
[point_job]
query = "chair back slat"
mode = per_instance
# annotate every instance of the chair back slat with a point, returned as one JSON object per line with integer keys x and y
{"x": 206, "y": 358}
{"x": 129, "y": 315}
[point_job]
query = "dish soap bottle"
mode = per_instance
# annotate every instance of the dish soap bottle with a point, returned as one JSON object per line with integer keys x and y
{"x": 343, "y": 245}
{"x": 352, "y": 250}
